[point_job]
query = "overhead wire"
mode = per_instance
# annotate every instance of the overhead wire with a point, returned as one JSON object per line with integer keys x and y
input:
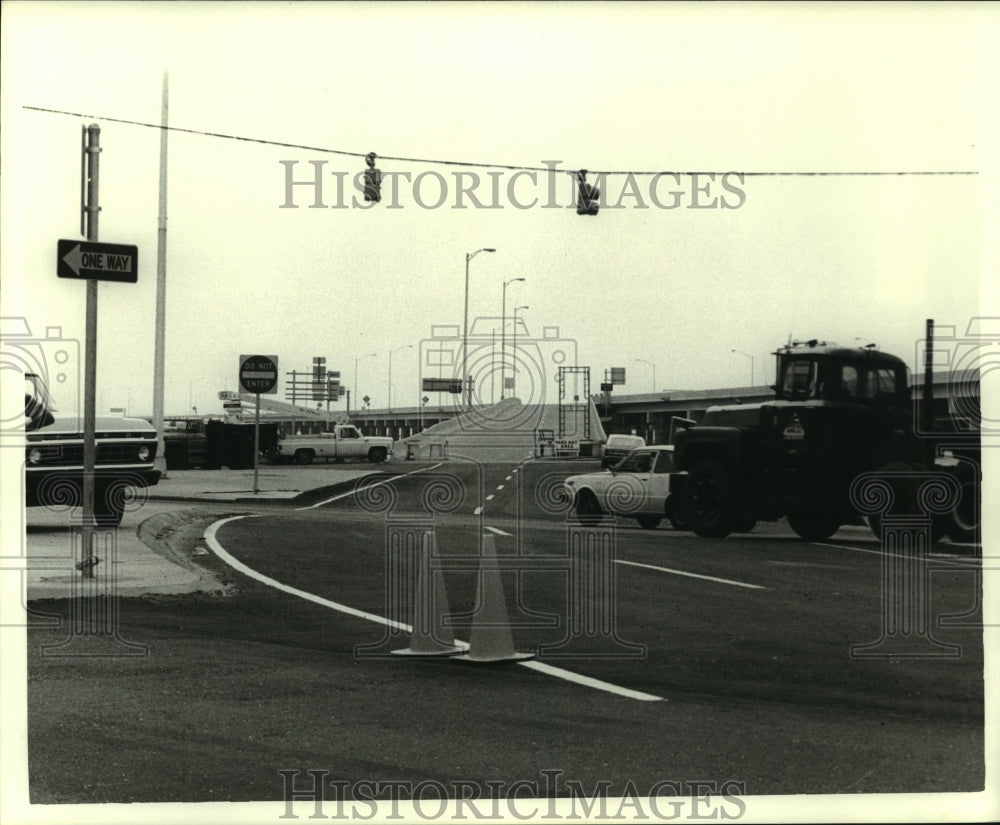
{"x": 486, "y": 165}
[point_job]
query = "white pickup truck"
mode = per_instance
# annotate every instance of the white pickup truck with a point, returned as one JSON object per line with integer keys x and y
{"x": 343, "y": 441}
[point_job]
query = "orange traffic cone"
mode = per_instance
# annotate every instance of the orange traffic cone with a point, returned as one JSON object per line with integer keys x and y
{"x": 429, "y": 636}
{"x": 491, "y": 640}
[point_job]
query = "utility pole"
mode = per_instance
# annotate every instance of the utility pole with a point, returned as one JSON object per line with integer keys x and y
{"x": 161, "y": 291}
{"x": 91, "y": 209}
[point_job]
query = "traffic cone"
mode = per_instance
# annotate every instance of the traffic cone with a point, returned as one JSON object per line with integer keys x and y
{"x": 429, "y": 636}
{"x": 491, "y": 639}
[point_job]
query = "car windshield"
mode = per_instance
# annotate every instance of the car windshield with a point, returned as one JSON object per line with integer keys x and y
{"x": 640, "y": 461}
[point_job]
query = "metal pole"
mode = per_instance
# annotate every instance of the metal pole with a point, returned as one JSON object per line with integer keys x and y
{"x": 256, "y": 443}
{"x": 88, "y": 559}
{"x": 465, "y": 334}
{"x": 503, "y": 338}
{"x": 161, "y": 291}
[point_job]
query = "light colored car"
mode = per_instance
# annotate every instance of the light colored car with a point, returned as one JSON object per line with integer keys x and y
{"x": 618, "y": 446}
{"x": 637, "y": 487}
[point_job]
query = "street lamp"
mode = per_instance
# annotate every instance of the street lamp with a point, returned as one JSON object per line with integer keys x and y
{"x": 465, "y": 327}
{"x": 369, "y": 355}
{"x": 503, "y": 334}
{"x": 748, "y": 355}
{"x": 405, "y": 346}
{"x": 514, "y": 370}
{"x": 644, "y": 361}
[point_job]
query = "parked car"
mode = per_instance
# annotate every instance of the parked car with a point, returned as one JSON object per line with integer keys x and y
{"x": 618, "y": 446}
{"x": 637, "y": 487}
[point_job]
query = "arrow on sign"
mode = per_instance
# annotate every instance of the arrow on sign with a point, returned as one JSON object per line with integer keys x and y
{"x": 97, "y": 261}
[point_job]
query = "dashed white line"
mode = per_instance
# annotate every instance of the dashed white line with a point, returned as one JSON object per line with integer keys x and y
{"x": 489, "y": 497}
{"x": 498, "y": 531}
{"x": 691, "y": 575}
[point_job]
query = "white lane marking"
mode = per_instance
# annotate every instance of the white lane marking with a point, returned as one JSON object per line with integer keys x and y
{"x": 692, "y": 575}
{"x": 498, "y": 531}
{"x": 236, "y": 564}
{"x": 557, "y": 672}
{"x": 477, "y": 511}
{"x": 508, "y": 478}
{"x": 939, "y": 558}
{"x": 489, "y": 497}
{"x": 376, "y": 484}
{"x": 589, "y": 681}
{"x": 499, "y": 486}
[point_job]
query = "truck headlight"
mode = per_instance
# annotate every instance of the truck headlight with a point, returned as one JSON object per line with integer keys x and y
{"x": 144, "y": 453}
{"x": 35, "y": 456}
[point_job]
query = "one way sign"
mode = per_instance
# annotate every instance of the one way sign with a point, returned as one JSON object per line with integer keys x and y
{"x": 85, "y": 260}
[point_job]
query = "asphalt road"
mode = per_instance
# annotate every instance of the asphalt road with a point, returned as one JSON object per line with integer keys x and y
{"x": 662, "y": 657}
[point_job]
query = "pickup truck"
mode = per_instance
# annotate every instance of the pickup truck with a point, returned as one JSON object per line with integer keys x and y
{"x": 343, "y": 441}
{"x": 53, "y": 465}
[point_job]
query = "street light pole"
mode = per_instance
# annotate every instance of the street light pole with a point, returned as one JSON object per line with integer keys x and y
{"x": 465, "y": 326}
{"x": 503, "y": 334}
{"x": 514, "y": 347}
{"x": 405, "y": 346}
{"x": 644, "y": 361}
{"x": 748, "y": 355}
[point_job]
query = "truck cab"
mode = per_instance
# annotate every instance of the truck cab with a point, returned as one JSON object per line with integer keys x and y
{"x": 837, "y": 412}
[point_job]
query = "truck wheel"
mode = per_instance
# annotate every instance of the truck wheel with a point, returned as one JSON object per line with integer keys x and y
{"x": 304, "y": 456}
{"x": 377, "y": 455}
{"x": 109, "y": 505}
{"x": 648, "y": 522}
{"x": 174, "y": 456}
{"x": 588, "y": 511}
{"x": 963, "y": 523}
{"x": 813, "y": 525}
{"x": 710, "y": 500}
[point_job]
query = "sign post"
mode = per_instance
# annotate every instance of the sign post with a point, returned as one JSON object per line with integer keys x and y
{"x": 258, "y": 374}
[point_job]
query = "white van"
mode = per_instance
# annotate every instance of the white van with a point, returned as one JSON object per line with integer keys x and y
{"x": 619, "y": 446}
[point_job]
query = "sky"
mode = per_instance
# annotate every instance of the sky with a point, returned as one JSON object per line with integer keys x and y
{"x": 687, "y": 281}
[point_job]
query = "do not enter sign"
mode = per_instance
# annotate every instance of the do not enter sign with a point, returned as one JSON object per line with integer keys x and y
{"x": 259, "y": 374}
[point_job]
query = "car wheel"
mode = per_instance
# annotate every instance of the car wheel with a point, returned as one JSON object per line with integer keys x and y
{"x": 648, "y": 522}
{"x": 588, "y": 510}
{"x": 304, "y": 456}
{"x": 377, "y": 454}
{"x": 709, "y": 501}
{"x": 813, "y": 525}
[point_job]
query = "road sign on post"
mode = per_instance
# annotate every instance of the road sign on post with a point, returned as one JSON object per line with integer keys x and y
{"x": 259, "y": 374}
{"x": 89, "y": 260}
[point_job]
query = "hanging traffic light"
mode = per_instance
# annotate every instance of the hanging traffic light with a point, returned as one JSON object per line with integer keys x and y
{"x": 588, "y": 196}
{"x": 373, "y": 180}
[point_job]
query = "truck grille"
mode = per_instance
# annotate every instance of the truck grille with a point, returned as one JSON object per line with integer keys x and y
{"x": 62, "y": 455}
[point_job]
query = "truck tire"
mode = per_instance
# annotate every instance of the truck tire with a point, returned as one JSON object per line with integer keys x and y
{"x": 109, "y": 505}
{"x": 904, "y": 498}
{"x": 813, "y": 525}
{"x": 649, "y": 522}
{"x": 710, "y": 500}
{"x": 304, "y": 456}
{"x": 175, "y": 456}
{"x": 377, "y": 455}
{"x": 588, "y": 510}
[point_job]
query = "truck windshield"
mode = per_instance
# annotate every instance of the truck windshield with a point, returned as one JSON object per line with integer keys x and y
{"x": 799, "y": 379}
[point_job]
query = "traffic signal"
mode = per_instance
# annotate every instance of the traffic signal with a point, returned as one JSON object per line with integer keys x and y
{"x": 373, "y": 180}
{"x": 588, "y": 196}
